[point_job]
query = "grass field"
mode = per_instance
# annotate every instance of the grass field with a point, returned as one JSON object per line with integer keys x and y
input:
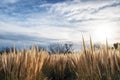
{"x": 89, "y": 64}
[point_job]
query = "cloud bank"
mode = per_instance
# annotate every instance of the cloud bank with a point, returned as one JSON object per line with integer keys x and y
{"x": 63, "y": 20}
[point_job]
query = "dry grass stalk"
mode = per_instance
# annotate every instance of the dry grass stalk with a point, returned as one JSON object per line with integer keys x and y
{"x": 103, "y": 64}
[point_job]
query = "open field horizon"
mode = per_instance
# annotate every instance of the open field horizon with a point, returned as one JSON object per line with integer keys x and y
{"x": 89, "y": 64}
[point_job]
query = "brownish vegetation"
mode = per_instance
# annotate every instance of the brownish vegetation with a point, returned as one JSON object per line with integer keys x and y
{"x": 90, "y": 64}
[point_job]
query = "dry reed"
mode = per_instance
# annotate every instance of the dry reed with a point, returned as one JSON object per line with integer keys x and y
{"x": 90, "y": 64}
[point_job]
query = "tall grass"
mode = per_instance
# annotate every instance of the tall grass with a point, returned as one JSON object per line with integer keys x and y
{"x": 90, "y": 64}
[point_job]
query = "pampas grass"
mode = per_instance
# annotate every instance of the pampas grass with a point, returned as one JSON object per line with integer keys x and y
{"x": 90, "y": 64}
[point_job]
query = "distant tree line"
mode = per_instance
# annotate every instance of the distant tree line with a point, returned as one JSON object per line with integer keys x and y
{"x": 57, "y": 48}
{"x": 99, "y": 45}
{"x": 52, "y": 48}
{"x": 8, "y": 50}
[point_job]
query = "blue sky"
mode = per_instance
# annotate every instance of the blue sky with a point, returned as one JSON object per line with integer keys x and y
{"x": 47, "y": 21}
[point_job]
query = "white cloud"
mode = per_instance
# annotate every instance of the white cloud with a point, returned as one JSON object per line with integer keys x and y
{"x": 45, "y": 31}
{"x": 65, "y": 21}
{"x": 88, "y": 15}
{"x": 82, "y": 10}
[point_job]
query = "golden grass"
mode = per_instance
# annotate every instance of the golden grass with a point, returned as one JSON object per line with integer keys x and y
{"x": 90, "y": 64}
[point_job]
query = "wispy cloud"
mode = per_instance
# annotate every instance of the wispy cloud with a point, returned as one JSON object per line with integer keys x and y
{"x": 83, "y": 11}
{"x": 52, "y": 21}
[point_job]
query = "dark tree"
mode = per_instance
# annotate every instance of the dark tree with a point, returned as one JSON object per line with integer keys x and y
{"x": 8, "y": 50}
{"x": 116, "y": 45}
{"x": 38, "y": 48}
{"x": 97, "y": 45}
{"x": 60, "y": 48}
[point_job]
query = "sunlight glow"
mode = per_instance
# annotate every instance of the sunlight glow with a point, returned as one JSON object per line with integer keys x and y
{"x": 104, "y": 32}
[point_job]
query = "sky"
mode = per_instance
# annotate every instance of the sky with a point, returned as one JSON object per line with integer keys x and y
{"x": 26, "y": 22}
